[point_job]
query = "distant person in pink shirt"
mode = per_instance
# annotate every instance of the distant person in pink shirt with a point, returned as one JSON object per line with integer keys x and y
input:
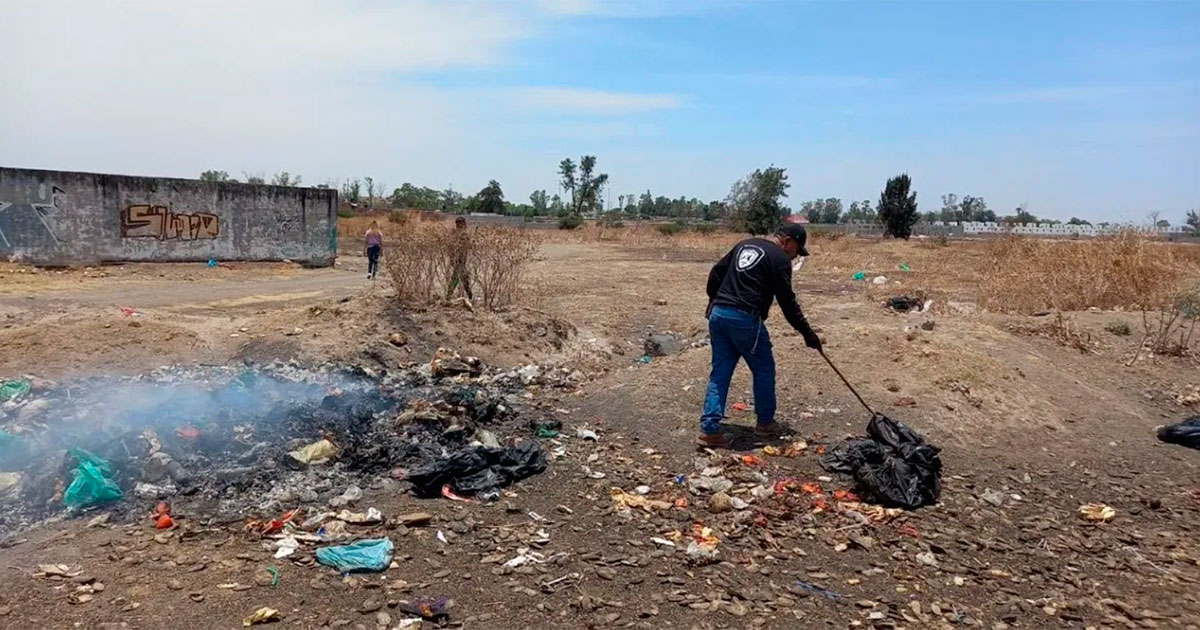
{"x": 374, "y": 248}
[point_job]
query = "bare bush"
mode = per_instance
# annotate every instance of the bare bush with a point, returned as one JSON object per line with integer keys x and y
{"x": 497, "y": 263}
{"x": 420, "y": 261}
{"x": 1169, "y": 330}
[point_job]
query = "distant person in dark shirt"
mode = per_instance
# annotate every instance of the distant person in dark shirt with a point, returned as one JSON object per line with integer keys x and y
{"x": 741, "y": 287}
{"x": 374, "y": 240}
{"x": 462, "y": 247}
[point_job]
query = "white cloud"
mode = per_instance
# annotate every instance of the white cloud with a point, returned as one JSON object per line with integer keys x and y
{"x": 174, "y": 87}
{"x": 575, "y": 100}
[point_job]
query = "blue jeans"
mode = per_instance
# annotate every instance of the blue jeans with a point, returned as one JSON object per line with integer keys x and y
{"x": 738, "y": 335}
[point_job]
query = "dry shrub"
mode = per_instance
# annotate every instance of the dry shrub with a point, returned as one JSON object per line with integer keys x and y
{"x": 497, "y": 263}
{"x": 1170, "y": 329}
{"x": 1127, "y": 271}
{"x": 420, "y": 261}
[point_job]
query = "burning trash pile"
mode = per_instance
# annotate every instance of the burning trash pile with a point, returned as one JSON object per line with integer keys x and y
{"x": 222, "y": 444}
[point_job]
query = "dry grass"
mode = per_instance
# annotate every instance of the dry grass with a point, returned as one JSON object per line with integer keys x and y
{"x": 420, "y": 261}
{"x": 1125, "y": 272}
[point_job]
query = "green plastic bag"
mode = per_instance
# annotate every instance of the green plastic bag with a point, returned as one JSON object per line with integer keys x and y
{"x": 12, "y": 389}
{"x": 91, "y": 484}
{"x": 862, "y": 275}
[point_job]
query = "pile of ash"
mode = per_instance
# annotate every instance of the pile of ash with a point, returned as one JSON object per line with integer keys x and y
{"x": 227, "y": 443}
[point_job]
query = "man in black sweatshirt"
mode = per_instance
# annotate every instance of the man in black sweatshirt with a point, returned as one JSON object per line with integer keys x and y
{"x": 741, "y": 287}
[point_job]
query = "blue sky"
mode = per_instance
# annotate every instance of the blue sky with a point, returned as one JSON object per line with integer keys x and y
{"x": 1085, "y": 109}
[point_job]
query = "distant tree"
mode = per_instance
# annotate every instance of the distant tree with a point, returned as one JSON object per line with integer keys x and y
{"x": 1162, "y": 223}
{"x": 451, "y": 201}
{"x": 1153, "y": 216}
{"x": 491, "y": 198}
{"x": 410, "y": 196}
{"x": 370, "y": 184}
{"x": 1022, "y": 216}
{"x": 1078, "y": 221}
{"x": 557, "y": 207}
{"x": 860, "y": 212}
{"x": 540, "y": 201}
{"x": 352, "y": 190}
{"x": 584, "y": 184}
{"x": 283, "y": 178}
{"x": 898, "y": 207}
{"x": 951, "y": 208}
{"x": 1193, "y": 220}
{"x": 645, "y": 207}
{"x": 215, "y": 176}
{"x": 975, "y": 209}
{"x": 254, "y": 179}
{"x": 754, "y": 201}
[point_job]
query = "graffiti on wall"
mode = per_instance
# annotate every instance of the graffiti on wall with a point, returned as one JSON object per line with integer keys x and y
{"x": 147, "y": 221}
{"x": 30, "y": 223}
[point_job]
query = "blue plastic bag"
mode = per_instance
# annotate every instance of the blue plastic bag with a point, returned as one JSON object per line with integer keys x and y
{"x": 374, "y": 554}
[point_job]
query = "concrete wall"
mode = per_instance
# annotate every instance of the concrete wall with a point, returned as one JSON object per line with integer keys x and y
{"x": 62, "y": 218}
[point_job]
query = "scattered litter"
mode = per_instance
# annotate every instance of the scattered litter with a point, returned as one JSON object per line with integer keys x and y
{"x": 11, "y": 390}
{"x": 448, "y": 493}
{"x": 587, "y": 434}
{"x": 817, "y": 590}
{"x": 740, "y": 406}
{"x": 1186, "y": 433}
{"x": 645, "y": 359}
{"x": 702, "y": 548}
{"x": 318, "y": 452}
{"x": 642, "y": 490}
{"x": 706, "y": 483}
{"x": 9, "y": 480}
{"x": 476, "y": 470}
{"x": 623, "y": 500}
{"x": 351, "y": 494}
{"x": 904, "y": 267}
{"x": 442, "y": 538}
{"x": 879, "y": 280}
{"x": 894, "y": 466}
{"x": 546, "y": 430}
{"x": 286, "y": 546}
{"x": 371, "y": 516}
{"x": 91, "y": 484}
{"x": 525, "y": 556}
{"x": 264, "y": 614}
{"x": 431, "y": 608}
{"x": 1097, "y": 512}
{"x": 365, "y": 555}
{"x": 904, "y": 303}
{"x": 662, "y": 542}
{"x": 861, "y": 275}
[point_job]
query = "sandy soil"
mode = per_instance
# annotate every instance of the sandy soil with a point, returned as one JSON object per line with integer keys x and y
{"x": 1021, "y": 416}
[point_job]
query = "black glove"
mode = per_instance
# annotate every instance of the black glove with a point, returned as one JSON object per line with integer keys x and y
{"x": 810, "y": 338}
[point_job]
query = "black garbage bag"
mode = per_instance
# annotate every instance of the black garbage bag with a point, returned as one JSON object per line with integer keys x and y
{"x": 894, "y": 466}
{"x": 1186, "y": 433}
{"x": 475, "y": 470}
{"x": 904, "y": 303}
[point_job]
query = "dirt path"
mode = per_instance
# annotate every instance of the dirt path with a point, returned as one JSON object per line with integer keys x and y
{"x": 201, "y": 294}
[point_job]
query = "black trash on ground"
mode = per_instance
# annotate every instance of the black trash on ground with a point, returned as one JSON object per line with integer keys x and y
{"x": 222, "y": 443}
{"x": 904, "y": 303}
{"x": 894, "y": 466}
{"x": 1186, "y": 433}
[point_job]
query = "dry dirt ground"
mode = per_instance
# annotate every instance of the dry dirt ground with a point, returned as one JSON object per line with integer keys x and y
{"x": 1037, "y": 427}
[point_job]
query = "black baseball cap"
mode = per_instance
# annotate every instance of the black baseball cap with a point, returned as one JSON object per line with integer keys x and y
{"x": 797, "y": 233}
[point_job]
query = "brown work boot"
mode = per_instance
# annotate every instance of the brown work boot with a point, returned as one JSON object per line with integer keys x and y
{"x": 773, "y": 430}
{"x": 716, "y": 440}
